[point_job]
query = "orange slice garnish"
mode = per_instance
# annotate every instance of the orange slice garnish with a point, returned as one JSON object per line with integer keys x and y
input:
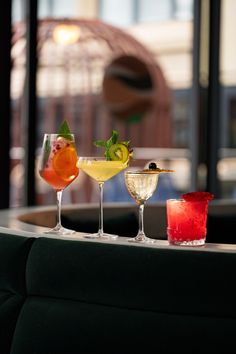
{"x": 64, "y": 163}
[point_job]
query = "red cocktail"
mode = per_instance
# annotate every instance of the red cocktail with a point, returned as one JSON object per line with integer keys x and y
{"x": 186, "y": 221}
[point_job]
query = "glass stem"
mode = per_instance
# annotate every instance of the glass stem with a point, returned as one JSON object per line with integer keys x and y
{"x": 100, "y": 229}
{"x": 141, "y": 224}
{"x": 59, "y": 197}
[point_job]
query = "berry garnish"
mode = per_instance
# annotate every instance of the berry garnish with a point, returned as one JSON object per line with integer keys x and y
{"x": 198, "y": 196}
{"x": 152, "y": 166}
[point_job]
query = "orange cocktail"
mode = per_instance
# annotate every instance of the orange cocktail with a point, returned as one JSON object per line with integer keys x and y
{"x": 60, "y": 168}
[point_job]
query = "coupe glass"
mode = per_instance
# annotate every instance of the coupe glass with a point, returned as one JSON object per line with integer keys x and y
{"x": 58, "y": 166}
{"x": 101, "y": 170}
{"x": 141, "y": 186}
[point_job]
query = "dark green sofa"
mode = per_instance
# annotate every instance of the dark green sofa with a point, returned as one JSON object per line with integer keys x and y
{"x": 71, "y": 297}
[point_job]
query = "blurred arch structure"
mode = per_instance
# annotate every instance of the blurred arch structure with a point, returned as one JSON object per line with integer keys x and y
{"x": 97, "y": 77}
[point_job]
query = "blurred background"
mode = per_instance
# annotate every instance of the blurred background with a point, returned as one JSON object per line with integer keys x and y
{"x": 162, "y": 73}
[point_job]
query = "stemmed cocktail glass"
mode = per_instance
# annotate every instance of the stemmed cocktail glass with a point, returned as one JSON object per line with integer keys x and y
{"x": 101, "y": 170}
{"x": 58, "y": 166}
{"x": 141, "y": 186}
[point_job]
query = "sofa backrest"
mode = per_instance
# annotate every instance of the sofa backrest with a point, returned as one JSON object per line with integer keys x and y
{"x": 14, "y": 252}
{"x": 72, "y": 297}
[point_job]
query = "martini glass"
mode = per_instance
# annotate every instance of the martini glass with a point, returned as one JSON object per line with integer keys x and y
{"x": 101, "y": 170}
{"x": 58, "y": 166}
{"x": 141, "y": 185}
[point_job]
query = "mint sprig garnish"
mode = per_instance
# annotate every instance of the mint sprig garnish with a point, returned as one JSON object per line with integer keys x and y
{"x": 106, "y": 144}
{"x": 64, "y": 130}
{"x": 47, "y": 151}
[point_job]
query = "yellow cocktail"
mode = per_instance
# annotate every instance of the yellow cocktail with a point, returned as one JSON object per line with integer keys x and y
{"x": 101, "y": 170}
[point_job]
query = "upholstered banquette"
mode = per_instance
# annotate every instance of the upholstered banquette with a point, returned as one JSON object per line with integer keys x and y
{"x": 72, "y": 296}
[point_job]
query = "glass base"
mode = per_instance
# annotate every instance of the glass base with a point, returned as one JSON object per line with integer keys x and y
{"x": 60, "y": 230}
{"x": 101, "y": 236}
{"x": 200, "y": 242}
{"x": 141, "y": 238}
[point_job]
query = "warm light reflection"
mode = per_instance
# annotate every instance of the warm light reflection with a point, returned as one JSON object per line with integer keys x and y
{"x": 66, "y": 34}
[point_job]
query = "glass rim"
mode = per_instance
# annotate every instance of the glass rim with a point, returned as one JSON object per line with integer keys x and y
{"x": 98, "y": 158}
{"x": 182, "y": 200}
{"x": 93, "y": 157}
{"x": 140, "y": 172}
{"x": 56, "y": 134}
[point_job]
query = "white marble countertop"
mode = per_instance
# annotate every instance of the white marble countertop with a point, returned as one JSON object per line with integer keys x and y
{"x": 10, "y": 224}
